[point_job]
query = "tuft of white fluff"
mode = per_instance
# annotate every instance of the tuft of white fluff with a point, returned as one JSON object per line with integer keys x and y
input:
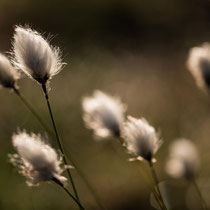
{"x": 8, "y": 74}
{"x": 104, "y": 114}
{"x": 141, "y": 139}
{"x": 199, "y": 65}
{"x": 34, "y": 55}
{"x": 37, "y": 161}
{"x": 183, "y": 159}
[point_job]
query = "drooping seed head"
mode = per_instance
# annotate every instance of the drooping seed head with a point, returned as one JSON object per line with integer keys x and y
{"x": 8, "y": 74}
{"x": 37, "y": 161}
{"x": 199, "y": 65}
{"x": 35, "y": 56}
{"x": 104, "y": 114}
{"x": 141, "y": 139}
{"x": 183, "y": 159}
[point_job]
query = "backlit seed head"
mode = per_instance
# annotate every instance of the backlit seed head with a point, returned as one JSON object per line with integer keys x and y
{"x": 141, "y": 139}
{"x": 8, "y": 74}
{"x": 199, "y": 65}
{"x": 37, "y": 161}
{"x": 34, "y": 55}
{"x": 104, "y": 114}
{"x": 183, "y": 159}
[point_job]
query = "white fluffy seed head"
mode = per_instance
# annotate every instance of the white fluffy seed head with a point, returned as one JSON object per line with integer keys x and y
{"x": 37, "y": 161}
{"x": 199, "y": 65}
{"x": 141, "y": 139}
{"x": 183, "y": 159}
{"x": 104, "y": 114}
{"x": 8, "y": 74}
{"x": 34, "y": 55}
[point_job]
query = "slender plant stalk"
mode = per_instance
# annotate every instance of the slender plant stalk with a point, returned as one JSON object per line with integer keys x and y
{"x": 59, "y": 141}
{"x": 31, "y": 109}
{"x": 156, "y": 181}
{"x": 68, "y": 192}
{"x": 199, "y": 194}
{"x": 151, "y": 187}
{"x": 49, "y": 130}
{"x": 155, "y": 193}
{"x": 76, "y": 200}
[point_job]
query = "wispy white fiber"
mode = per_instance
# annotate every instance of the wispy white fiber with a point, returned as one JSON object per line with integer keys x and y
{"x": 8, "y": 74}
{"x": 104, "y": 114}
{"x": 183, "y": 159}
{"x": 34, "y": 55}
{"x": 199, "y": 65}
{"x": 36, "y": 160}
{"x": 141, "y": 139}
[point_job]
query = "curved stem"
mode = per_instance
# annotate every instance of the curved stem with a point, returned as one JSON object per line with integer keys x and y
{"x": 199, "y": 194}
{"x": 152, "y": 188}
{"x": 76, "y": 200}
{"x": 31, "y": 109}
{"x": 156, "y": 181}
{"x": 68, "y": 192}
{"x": 59, "y": 141}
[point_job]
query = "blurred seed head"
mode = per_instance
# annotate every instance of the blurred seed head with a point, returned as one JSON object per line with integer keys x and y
{"x": 8, "y": 74}
{"x": 199, "y": 65}
{"x": 34, "y": 55}
{"x": 104, "y": 114}
{"x": 183, "y": 159}
{"x": 141, "y": 139}
{"x": 36, "y": 160}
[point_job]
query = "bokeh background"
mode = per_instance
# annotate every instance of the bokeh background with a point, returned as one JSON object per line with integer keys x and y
{"x": 136, "y": 50}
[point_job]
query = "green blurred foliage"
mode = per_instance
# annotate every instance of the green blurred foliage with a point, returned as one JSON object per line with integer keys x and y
{"x": 133, "y": 49}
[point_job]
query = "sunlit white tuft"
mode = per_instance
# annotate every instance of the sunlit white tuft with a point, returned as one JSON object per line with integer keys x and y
{"x": 183, "y": 159}
{"x": 8, "y": 75}
{"x": 141, "y": 139}
{"x": 199, "y": 65}
{"x": 104, "y": 114}
{"x": 35, "y": 56}
{"x": 37, "y": 161}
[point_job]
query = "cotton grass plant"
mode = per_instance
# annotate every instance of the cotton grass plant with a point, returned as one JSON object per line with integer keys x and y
{"x": 42, "y": 67}
{"x": 35, "y": 56}
{"x": 198, "y": 64}
{"x": 141, "y": 139}
{"x": 8, "y": 74}
{"x": 105, "y": 115}
{"x": 142, "y": 142}
{"x": 40, "y": 61}
{"x": 183, "y": 162}
{"x": 38, "y": 161}
{"x": 8, "y": 79}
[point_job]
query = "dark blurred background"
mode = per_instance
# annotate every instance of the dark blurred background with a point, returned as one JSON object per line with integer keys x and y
{"x": 134, "y": 49}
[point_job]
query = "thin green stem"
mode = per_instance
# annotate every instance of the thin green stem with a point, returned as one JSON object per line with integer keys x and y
{"x": 199, "y": 194}
{"x": 151, "y": 187}
{"x": 59, "y": 141}
{"x": 68, "y": 192}
{"x": 76, "y": 200}
{"x": 155, "y": 193}
{"x": 80, "y": 173}
{"x": 156, "y": 181}
{"x": 32, "y": 110}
